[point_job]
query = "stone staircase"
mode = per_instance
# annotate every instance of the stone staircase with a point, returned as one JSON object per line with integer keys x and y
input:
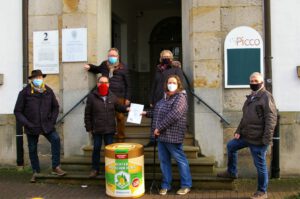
{"x": 202, "y": 168}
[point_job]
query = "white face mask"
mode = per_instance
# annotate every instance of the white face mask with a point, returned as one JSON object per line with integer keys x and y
{"x": 172, "y": 87}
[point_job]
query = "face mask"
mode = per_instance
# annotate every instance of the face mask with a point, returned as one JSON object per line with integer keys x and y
{"x": 172, "y": 87}
{"x": 103, "y": 89}
{"x": 166, "y": 61}
{"x": 112, "y": 60}
{"x": 255, "y": 87}
{"x": 37, "y": 82}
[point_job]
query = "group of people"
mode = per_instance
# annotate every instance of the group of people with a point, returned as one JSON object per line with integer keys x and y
{"x": 37, "y": 110}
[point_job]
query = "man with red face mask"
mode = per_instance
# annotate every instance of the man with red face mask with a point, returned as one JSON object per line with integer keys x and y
{"x": 99, "y": 118}
{"x": 119, "y": 83}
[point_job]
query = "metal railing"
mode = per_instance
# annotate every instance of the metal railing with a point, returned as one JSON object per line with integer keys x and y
{"x": 73, "y": 107}
{"x": 223, "y": 120}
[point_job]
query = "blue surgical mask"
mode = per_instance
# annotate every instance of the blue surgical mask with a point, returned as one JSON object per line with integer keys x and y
{"x": 37, "y": 82}
{"x": 112, "y": 60}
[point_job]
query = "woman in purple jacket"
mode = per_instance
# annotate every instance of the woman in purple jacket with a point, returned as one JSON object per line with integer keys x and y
{"x": 169, "y": 126}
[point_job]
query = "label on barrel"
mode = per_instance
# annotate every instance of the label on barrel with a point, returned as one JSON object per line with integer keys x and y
{"x": 124, "y": 177}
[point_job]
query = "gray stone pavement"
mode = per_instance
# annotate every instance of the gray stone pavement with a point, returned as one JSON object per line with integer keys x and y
{"x": 15, "y": 185}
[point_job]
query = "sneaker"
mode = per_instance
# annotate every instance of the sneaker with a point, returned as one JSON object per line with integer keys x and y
{"x": 150, "y": 144}
{"x": 183, "y": 191}
{"x": 58, "y": 171}
{"x": 163, "y": 192}
{"x": 33, "y": 177}
{"x": 226, "y": 174}
{"x": 259, "y": 195}
{"x": 94, "y": 173}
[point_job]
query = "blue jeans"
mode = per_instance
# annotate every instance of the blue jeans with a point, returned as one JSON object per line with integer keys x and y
{"x": 258, "y": 153}
{"x": 165, "y": 152}
{"x": 108, "y": 139}
{"x": 33, "y": 140}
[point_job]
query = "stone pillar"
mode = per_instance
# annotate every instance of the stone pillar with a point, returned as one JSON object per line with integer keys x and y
{"x": 95, "y": 16}
{"x": 202, "y": 55}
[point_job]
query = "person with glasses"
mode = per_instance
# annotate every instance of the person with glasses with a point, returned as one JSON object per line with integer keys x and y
{"x": 99, "y": 118}
{"x": 119, "y": 79}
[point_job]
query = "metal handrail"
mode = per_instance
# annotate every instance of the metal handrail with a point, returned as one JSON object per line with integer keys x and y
{"x": 223, "y": 120}
{"x": 79, "y": 102}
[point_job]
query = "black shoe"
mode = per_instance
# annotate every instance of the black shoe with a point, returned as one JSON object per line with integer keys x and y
{"x": 151, "y": 143}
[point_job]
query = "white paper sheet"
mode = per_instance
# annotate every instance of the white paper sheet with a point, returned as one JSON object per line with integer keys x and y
{"x": 134, "y": 115}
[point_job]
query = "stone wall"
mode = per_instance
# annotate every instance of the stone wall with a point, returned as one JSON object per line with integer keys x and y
{"x": 7, "y": 140}
{"x": 209, "y": 22}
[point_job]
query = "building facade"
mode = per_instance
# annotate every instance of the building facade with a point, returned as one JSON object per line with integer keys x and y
{"x": 196, "y": 34}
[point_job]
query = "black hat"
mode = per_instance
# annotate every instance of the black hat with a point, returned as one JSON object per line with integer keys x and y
{"x": 35, "y": 73}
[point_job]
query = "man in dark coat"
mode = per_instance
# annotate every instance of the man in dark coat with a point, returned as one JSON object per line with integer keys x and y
{"x": 119, "y": 83}
{"x": 99, "y": 118}
{"x": 37, "y": 110}
{"x": 254, "y": 131}
{"x": 164, "y": 69}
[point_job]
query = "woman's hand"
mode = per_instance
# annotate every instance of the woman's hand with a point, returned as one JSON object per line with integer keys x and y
{"x": 144, "y": 113}
{"x": 156, "y": 133}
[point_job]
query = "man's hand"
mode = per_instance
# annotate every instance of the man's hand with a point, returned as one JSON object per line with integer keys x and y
{"x": 86, "y": 67}
{"x": 127, "y": 102}
{"x": 237, "y": 136}
{"x": 156, "y": 133}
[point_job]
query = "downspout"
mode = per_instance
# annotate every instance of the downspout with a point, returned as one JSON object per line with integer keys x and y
{"x": 275, "y": 162}
{"x": 19, "y": 127}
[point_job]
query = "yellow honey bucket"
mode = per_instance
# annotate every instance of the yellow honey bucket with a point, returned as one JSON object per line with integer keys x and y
{"x": 124, "y": 170}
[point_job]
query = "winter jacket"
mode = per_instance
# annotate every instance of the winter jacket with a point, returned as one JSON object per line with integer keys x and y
{"x": 169, "y": 117}
{"x": 259, "y": 119}
{"x": 37, "y": 111}
{"x": 157, "y": 89}
{"x": 119, "y": 83}
{"x": 99, "y": 116}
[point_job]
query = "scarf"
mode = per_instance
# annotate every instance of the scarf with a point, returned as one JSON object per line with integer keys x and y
{"x": 41, "y": 89}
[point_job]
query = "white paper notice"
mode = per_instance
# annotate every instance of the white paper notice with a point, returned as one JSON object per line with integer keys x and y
{"x": 46, "y": 52}
{"x": 135, "y": 113}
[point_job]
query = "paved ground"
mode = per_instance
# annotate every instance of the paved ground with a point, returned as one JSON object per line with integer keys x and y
{"x": 15, "y": 185}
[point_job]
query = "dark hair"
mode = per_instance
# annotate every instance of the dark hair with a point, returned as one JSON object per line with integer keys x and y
{"x": 179, "y": 83}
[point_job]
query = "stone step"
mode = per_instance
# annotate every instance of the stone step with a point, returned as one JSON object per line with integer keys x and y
{"x": 190, "y": 151}
{"x": 199, "y": 165}
{"x": 200, "y": 181}
{"x": 144, "y": 137}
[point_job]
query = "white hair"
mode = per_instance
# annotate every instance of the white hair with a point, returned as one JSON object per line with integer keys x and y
{"x": 257, "y": 74}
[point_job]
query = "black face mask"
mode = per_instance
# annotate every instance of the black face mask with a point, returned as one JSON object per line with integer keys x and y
{"x": 166, "y": 61}
{"x": 255, "y": 87}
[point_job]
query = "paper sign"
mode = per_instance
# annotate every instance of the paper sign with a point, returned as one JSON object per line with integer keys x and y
{"x": 135, "y": 113}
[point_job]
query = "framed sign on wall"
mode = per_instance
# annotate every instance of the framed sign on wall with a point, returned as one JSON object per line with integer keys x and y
{"x": 243, "y": 55}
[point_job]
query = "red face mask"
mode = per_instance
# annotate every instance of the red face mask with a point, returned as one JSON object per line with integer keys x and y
{"x": 103, "y": 89}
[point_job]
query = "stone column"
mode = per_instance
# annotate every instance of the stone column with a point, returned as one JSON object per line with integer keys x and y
{"x": 95, "y": 16}
{"x": 202, "y": 55}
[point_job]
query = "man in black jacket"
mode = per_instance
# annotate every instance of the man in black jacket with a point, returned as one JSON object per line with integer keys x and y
{"x": 119, "y": 83}
{"x": 37, "y": 110}
{"x": 254, "y": 131}
{"x": 99, "y": 118}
